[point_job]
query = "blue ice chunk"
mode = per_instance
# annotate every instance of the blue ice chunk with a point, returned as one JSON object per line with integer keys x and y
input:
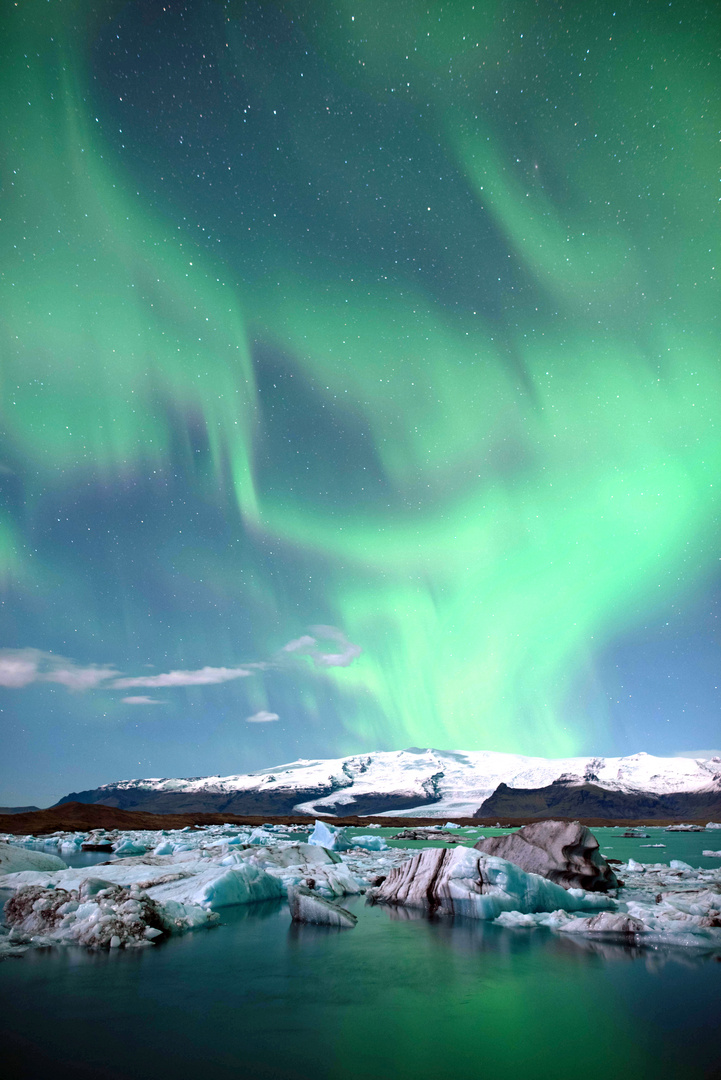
{"x": 370, "y": 843}
{"x": 330, "y": 837}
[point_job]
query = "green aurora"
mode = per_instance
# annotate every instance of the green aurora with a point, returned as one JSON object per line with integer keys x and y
{"x": 490, "y": 448}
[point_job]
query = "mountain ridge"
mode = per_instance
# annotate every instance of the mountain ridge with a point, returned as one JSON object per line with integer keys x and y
{"x": 431, "y": 782}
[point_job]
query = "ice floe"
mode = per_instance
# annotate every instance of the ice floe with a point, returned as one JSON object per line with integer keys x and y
{"x": 464, "y": 881}
{"x": 307, "y": 907}
{"x": 330, "y": 837}
{"x": 182, "y": 877}
{"x": 170, "y": 881}
{"x": 658, "y": 906}
{"x": 14, "y": 858}
{"x": 98, "y": 914}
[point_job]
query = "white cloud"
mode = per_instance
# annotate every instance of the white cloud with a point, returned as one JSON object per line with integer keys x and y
{"x": 262, "y": 717}
{"x": 318, "y": 647}
{"x": 203, "y": 677}
{"x": 77, "y": 678}
{"x": 21, "y": 667}
{"x": 141, "y": 699}
{"x": 301, "y": 644}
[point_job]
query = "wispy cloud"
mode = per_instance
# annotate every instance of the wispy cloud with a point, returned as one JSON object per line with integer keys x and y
{"x": 262, "y": 717}
{"x": 203, "y": 677}
{"x": 319, "y": 647}
{"x": 327, "y": 647}
{"x": 21, "y": 667}
{"x": 78, "y": 678}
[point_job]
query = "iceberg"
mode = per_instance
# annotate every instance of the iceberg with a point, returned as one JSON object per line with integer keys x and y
{"x": 186, "y": 879}
{"x": 463, "y": 881}
{"x": 307, "y": 907}
{"x": 130, "y": 846}
{"x": 14, "y": 859}
{"x": 370, "y": 843}
{"x": 183, "y": 878}
{"x": 562, "y": 851}
{"x": 610, "y": 923}
{"x": 102, "y": 915}
{"x": 330, "y": 837}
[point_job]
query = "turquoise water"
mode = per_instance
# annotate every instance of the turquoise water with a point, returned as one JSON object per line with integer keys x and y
{"x": 396, "y": 997}
{"x": 684, "y": 846}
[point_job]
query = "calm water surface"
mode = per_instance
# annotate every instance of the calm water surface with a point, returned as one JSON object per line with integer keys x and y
{"x": 396, "y": 997}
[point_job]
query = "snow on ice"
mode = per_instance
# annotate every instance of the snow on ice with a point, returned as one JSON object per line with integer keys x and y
{"x": 165, "y": 882}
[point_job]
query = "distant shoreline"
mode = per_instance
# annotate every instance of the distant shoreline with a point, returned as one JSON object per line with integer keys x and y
{"x": 77, "y": 817}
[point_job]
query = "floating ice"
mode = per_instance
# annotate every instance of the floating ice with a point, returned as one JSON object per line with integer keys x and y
{"x": 463, "y": 881}
{"x": 130, "y": 846}
{"x": 260, "y": 836}
{"x": 306, "y": 906}
{"x": 14, "y": 858}
{"x": 97, "y": 917}
{"x": 370, "y": 843}
{"x": 189, "y": 874}
{"x": 165, "y": 847}
{"x": 329, "y": 836}
{"x": 613, "y": 923}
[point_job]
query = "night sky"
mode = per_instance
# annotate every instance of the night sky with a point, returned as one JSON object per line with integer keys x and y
{"x": 360, "y": 381}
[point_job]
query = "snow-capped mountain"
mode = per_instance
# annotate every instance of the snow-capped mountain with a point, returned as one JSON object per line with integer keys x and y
{"x": 413, "y": 782}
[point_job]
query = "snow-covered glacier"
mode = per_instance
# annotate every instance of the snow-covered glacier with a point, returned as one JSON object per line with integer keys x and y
{"x": 427, "y": 782}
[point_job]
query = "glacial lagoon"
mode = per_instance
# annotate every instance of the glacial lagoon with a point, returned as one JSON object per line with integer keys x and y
{"x": 399, "y": 996}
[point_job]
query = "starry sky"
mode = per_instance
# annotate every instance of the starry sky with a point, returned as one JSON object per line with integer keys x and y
{"x": 360, "y": 382}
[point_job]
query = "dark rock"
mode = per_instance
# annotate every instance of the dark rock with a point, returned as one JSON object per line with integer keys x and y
{"x": 564, "y": 852}
{"x": 275, "y": 802}
{"x": 568, "y": 797}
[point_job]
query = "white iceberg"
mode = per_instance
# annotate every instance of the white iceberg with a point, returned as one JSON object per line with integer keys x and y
{"x": 14, "y": 859}
{"x": 98, "y": 914}
{"x": 330, "y": 837}
{"x": 307, "y": 907}
{"x": 464, "y": 881}
{"x": 370, "y": 843}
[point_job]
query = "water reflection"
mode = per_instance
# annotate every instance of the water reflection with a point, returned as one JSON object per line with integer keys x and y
{"x": 461, "y": 934}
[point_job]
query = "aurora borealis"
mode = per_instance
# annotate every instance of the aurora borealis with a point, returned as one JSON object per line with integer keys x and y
{"x": 386, "y": 328}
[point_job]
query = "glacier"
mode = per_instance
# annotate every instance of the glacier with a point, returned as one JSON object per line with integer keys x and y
{"x": 412, "y": 782}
